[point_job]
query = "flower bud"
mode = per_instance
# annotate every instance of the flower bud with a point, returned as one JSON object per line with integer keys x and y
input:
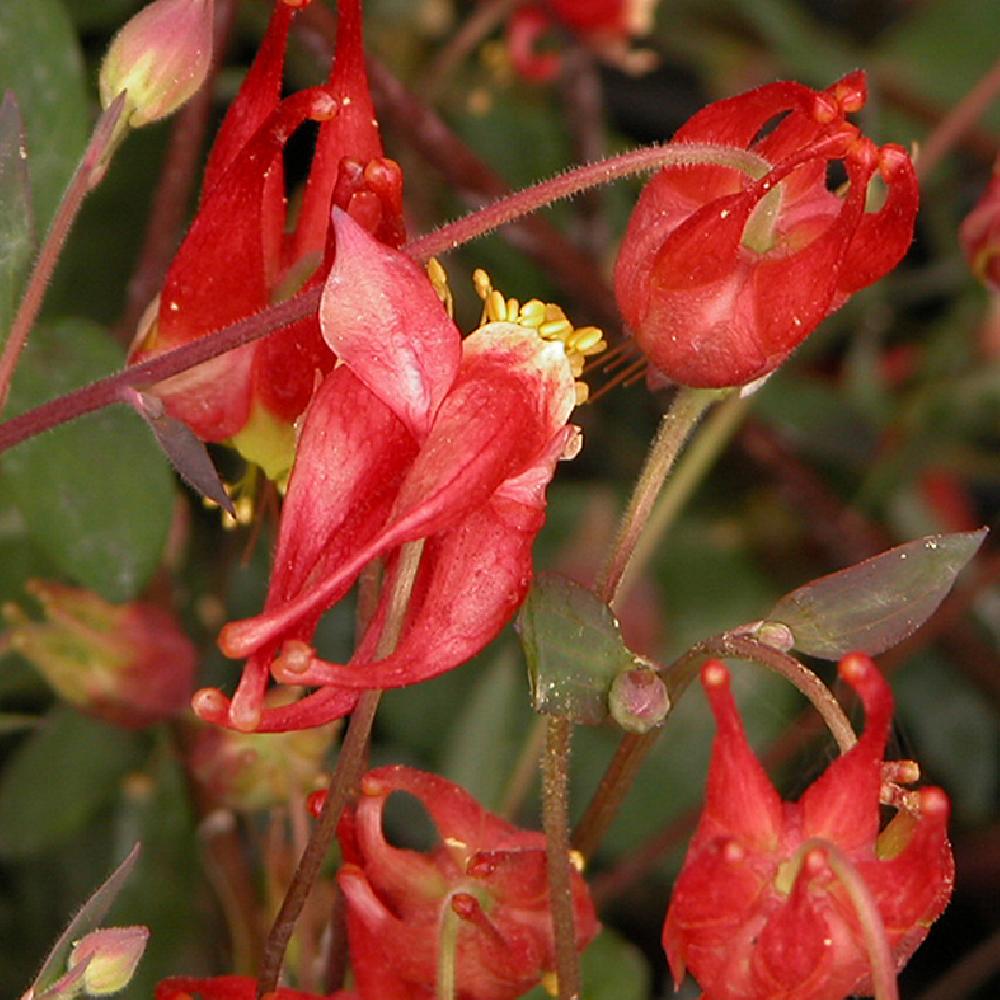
{"x": 111, "y": 956}
{"x": 980, "y": 234}
{"x": 160, "y": 58}
{"x": 128, "y": 664}
{"x": 638, "y": 700}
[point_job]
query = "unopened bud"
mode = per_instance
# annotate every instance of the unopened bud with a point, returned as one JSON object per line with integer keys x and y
{"x": 159, "y": 58}
{"x": 638, "y": 700}
{"x": 111, "y": 956}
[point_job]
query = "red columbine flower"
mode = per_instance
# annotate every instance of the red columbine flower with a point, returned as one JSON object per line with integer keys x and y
{"x": 786, "y": 898}
{"x": 478, "y": 899}
{"x": 237, "y": 258}
{"x": 416, "y": 435}
{"x": 230, "y": 988}
{"x": 980, "y": 234}
{"x": 721, "y": 274}
{"x": 607, "y": 26}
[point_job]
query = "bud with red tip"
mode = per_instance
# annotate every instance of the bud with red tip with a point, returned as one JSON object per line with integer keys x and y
{"x": 722, "y": 274}
{"x": 793, "y": 898}
{"x": 159, "y": 58}
{"x": 980, "y": 234}
{"x": 486, "y": 879}
{"x": 109, "y": 958}
{"x": 128, "y": 664}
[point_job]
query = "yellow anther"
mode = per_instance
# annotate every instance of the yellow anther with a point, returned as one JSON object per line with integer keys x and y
{"x": 439, "y": 282}
{"x": 496, "y": 307}
{"x": 555, "y": 329}
{"x": 513, "y": 310}
{"x": 582, "y": 391}
{"x": 576, "y": 364}
{"x": 550, "y": 981}
{"x": 585, "y": 338}
{"x": 482, "y": 284}
{"x": 532, "y": 313}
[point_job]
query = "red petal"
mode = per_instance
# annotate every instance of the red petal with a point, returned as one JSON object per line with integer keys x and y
{"x": 740, "y": 801}
{"x": 842, "y": 805}
{"x": 352, "y": 132}
{"x": 380, "y": 316}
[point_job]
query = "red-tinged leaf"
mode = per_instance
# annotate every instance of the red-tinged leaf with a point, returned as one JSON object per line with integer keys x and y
{"x": 574, "y": 649}
{"x": 89, "y": 918}
{"x": 186, "y": 452}
{"x": 875, "y": 604}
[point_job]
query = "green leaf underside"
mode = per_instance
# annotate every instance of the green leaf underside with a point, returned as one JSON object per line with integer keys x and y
{"x": 875, "y": 604}
{"x": 574, "y": 649}
{"x": 96, "y": 495}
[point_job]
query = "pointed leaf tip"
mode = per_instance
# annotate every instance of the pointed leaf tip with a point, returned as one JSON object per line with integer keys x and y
{"x": 875, "y": 604}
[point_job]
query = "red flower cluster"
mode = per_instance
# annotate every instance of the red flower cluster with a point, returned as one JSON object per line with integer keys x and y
{"x": 780, "y": 898}
{"x": 486, "y": 878}
{"x": 722, "y": 273}
{"x": 237, "y": 258}
{"x": 417, "y": 434}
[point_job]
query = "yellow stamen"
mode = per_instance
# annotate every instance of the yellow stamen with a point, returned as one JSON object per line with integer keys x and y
{"x": 439, "y": 282}
{"x": 243, "y": 493}
{"x": 547, "y": 320}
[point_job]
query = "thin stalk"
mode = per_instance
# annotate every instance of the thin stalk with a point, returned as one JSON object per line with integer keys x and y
{"x": 447, "y": 953}
{"x": 510, "y": 208}
{"x": 675, "y": 427}
{"x": 555, "y": 820}
{"x": 109, "y": 390}
{"x": 343, "y": 782}
{"x": 89, "y": 171}
{"x": 523, "y": 774}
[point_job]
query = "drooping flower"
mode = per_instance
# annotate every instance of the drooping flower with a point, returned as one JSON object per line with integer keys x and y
{"x": 790, "y": 898}
{"x": 606, "y": 26}
{"x": 722, "y": 274}
{"x": 479, "y": 898}
{"x": 237, "y": 257}
{"x": 129, "y": 664}
{"x": 231, "y": 988}
{"x": 980, "y": 234}
{"x": 159, "y": 58}
{"x": 417, "y": 434}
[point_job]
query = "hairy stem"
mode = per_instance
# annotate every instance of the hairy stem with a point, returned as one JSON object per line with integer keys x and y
{"x": 89, "y": 171}
{"x": 555, "y": 819}
{"x": 343, "y": 782}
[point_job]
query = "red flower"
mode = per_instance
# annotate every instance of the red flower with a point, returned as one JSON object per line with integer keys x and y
{"x": 607, "y": 26}
{"x": 416, "y": 435}
{"x": 757, "y": 910}
{"x": 230, "y": 988}
{"x": 486, "y": 878}
{"x": 980, "y": 234}
{"x": 237, "y": 258}
{"x": 721, "y": 275}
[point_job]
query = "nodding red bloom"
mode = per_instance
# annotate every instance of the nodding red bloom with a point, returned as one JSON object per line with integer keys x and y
{"x": 417, "y": 434}
{"x": 789, "y": 898}
{"x": 480, "y": 897}
{"x": 237, "y": 257}
{"x": 980, "y": 234}
{"x": 607, "y": 26}
{"x": 722, "y": 274}
{"x": 230, "y": 988}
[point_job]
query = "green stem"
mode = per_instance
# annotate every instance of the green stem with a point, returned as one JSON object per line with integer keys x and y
{"x": 675, "y": 427}
{"x": 86, "y": 177}
{"x": 343, "y": 782}
{"x": 447, "y": 953}
{"x": 555, "y": 819}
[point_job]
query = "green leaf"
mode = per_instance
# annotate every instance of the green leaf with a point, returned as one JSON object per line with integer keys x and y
{"x": 612, "y": 969}
{"x": 40, "y": 61}
{"x": 96, "y": 495}
{"x": 16, "y": 243}
{"x": 89, "y": 918}
{"x": 574, "y": 649}
{"x": 57, "y": 780}
{"x": 875, "y": 604}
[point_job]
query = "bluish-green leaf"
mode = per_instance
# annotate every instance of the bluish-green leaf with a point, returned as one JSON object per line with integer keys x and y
{"x": 95, "y": 494}
{"x": 58, "y": 778}
{"x": 40, "y": 61}
{"x": 16, "y": 231}
{"x": 574, "y": 649}
{"x": 875, "y": 604}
